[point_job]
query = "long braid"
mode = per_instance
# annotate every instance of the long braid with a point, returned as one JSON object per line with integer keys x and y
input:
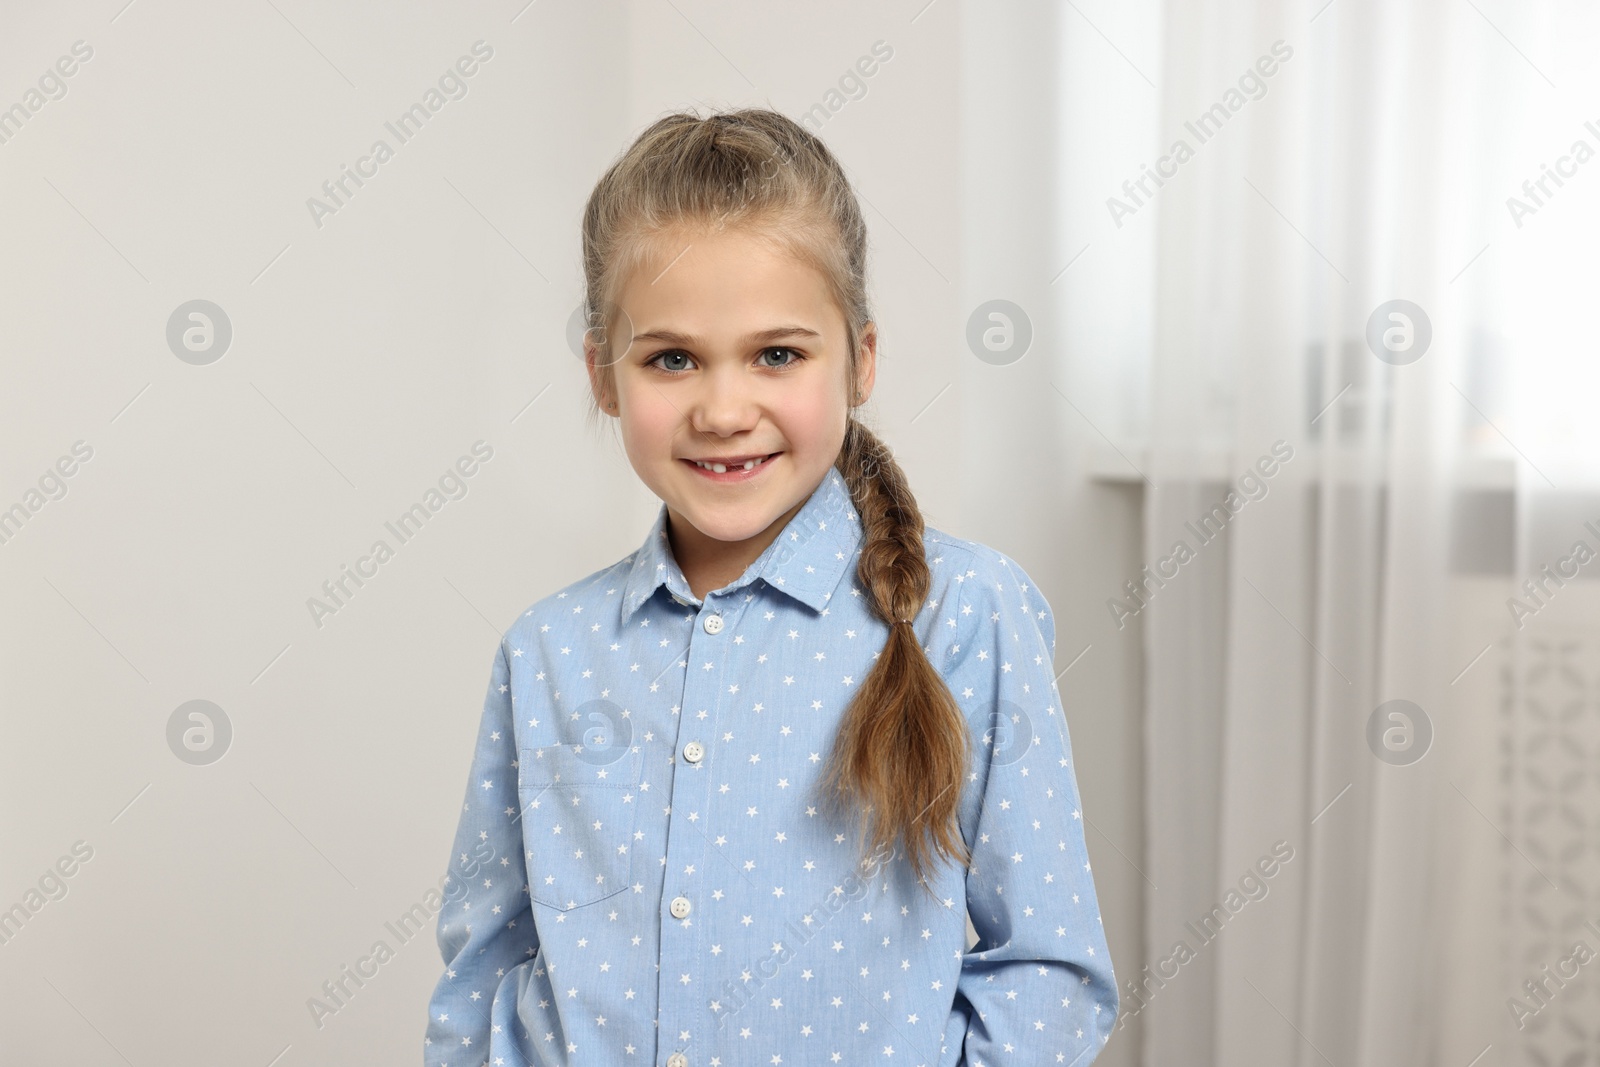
{"x": 903, "y": 746}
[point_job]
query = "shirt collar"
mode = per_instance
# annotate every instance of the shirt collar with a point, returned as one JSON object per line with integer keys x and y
{"x": 805, "y": 560}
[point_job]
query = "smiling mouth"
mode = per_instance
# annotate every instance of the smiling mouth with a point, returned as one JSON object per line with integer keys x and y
{"x": 724, "y": 467}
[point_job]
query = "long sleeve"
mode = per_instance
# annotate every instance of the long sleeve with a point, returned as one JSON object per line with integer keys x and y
{"x": 485, "y": 928}
{"x": 1038, "y": 986}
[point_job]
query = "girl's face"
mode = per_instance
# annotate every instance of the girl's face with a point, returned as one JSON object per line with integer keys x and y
{"x": 737, "y": 351}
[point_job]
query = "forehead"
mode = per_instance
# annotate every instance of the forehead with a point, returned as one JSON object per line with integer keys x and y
{"x": 709, "y": 283}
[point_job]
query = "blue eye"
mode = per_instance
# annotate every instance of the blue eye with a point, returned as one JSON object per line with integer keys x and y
{"x": 671, "y": 353}
{"x": 659, "y": 359}
{"x": 791, "y": 351}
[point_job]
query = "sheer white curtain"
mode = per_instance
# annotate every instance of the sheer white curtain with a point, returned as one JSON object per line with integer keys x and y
{"x": 1445, "y": 852}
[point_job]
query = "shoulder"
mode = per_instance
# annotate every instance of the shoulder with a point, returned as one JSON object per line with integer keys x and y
{"x": 984, "y": 587}
{"x": 978, "y": 566}
{"x": 978, "y": 555}
{"x": 591, "y": 596}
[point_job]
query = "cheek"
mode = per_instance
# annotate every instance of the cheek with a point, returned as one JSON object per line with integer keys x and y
{"x": 648, "y": 421}
{"x": 814, "y": 418}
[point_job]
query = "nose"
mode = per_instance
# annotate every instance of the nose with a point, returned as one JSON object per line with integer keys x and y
{"x": 724, "y": 404}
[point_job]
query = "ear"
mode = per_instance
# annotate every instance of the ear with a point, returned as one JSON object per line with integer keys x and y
{"x": 591, "y": 358}
{"x": 866, "y": 362}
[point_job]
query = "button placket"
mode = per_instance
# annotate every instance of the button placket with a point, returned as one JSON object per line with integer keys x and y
{"x": 687, "y": 843}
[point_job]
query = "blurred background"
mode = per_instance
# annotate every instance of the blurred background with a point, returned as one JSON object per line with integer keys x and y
{"x": 1261, "y": 334}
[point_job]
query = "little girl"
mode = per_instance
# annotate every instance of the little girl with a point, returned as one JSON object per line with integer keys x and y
{"x": 735, "y": 797}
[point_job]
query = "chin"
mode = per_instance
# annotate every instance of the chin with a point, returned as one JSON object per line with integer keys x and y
{"x": 730, "y": 522}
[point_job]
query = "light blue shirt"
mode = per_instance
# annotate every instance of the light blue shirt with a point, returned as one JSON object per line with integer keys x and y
{"x": 641, "y": 874}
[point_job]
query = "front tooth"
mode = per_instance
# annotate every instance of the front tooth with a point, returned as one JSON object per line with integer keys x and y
{"x": 720, "y": 468}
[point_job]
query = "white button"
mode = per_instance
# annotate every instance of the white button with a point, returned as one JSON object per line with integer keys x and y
{"x": 680, "y": 907}
{"x": 693, "y": 751}
{"x": 677, "y": 1059}
{"x": 713, "y": 624}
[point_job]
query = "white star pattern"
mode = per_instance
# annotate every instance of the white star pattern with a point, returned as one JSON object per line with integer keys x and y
{"x": 647, "y": 827}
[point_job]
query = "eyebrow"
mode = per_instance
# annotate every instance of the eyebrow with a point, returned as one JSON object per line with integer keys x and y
{"x": 775, "y": 333}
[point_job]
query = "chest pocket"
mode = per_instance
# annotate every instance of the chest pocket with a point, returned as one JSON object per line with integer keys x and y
{"x": 578, "y": 823}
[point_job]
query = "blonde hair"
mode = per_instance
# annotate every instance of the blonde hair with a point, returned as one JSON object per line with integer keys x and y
{"x": 902, "y": 750}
